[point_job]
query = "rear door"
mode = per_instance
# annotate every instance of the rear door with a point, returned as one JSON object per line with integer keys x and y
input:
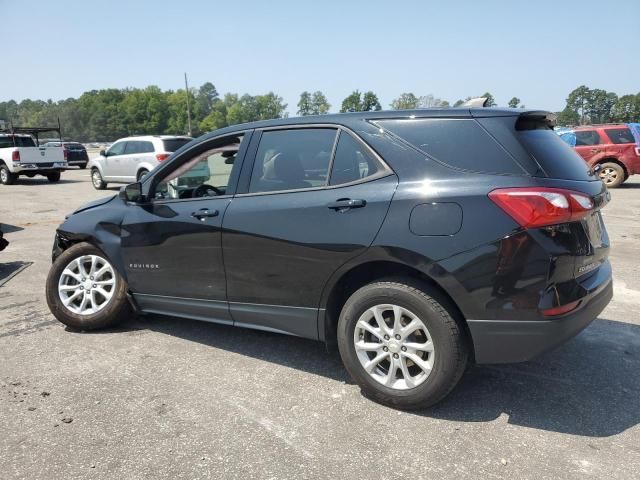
{"x": 589, "y": 145}
{"x": 131, "y": 159}
{"x": 296, "y": 223}
{"x": 622, "y": 145}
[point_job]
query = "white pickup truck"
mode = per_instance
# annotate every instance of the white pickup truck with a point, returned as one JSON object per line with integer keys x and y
{"x": 21, "y": 155}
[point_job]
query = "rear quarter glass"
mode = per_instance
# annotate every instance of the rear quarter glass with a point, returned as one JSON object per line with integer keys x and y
{"x": 173, "y": 144}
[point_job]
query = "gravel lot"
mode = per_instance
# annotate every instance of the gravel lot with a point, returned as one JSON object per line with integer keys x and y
{"x": 168, "y": 398}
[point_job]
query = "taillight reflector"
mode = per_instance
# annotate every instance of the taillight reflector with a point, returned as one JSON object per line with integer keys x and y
{"x": 15, "y": 156}
{"x": 162, "y": 156}
{"x": 562, "y": 309}
{"x": 541, "y": 206}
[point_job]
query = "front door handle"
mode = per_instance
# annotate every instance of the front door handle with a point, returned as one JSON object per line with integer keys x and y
{"x": 344, "y": 204}
{"x": 204, "y": 213}
{"x": 595, "y": 150}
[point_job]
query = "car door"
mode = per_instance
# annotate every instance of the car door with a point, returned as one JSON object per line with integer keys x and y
{"x": 113, "y": 169}
{"x": 293, "y": 225}
{"x": 589, "y": 145}
{"x": 130, "y": 159}
{"x": 171, "y": 245}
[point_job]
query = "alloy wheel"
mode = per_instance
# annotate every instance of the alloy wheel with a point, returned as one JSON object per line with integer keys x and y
{"x": 87, "y": 284}
{"x": 394, "y": 346}
{"x": 608, "y": 175}
{"x": 96, "y": 178}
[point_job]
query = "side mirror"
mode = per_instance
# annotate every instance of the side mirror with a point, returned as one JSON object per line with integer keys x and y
{"x": 131, "y": 193}
{"x": 103, "y": 153}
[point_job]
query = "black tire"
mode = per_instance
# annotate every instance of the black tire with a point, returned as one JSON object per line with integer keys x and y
{"x": 96, "y": 180}
{"x": 83, "y": 166}
{"x": 53, "y": 177}
{"x": 116, "y": 310}
{"x": 141, "y": 174}
{"x": 612, "y": 174}
{"x": 451, "y": 350}
{"x": 6, "y": 177}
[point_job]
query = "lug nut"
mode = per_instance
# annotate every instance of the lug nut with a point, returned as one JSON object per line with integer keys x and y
{"x": 404, "y": 349}
{"x": 398, "y": 337}
{"x": 395, "y": 355}
{"x": 81, "y": 287}
{"x": 386, "y": 337}
{"x": 385, "y": 349}
{"x": 90, "y": 278}
{"x": 94, "y": 285}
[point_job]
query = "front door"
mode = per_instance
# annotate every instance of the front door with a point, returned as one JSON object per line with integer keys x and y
{"x": 299, "y": 221}
{"x": 172, "y": 245}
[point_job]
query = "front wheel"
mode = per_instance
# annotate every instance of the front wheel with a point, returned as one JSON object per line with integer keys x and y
{"x": 401, "y": 345}
{"x": 84, "y": 290}
{"x": 612, "y": 174}
{"x": 141, "y": 174}
{"x": 7, "y": 177}
{"x": 96, "y": 180}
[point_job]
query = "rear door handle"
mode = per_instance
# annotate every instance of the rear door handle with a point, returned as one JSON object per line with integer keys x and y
{"x": 204, "y": 213}
{"x": 343, "y": 204}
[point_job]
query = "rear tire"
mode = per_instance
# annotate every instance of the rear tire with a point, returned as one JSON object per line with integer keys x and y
{"x": 141, "y": 174}
{"x": 6, "y": 177}
{"x": 53, "y": 177}
{"x": 76, "y": 267}
{"x": 437, "y": 344}
{"x": 612, "y": 174}
{"x": 96, "y": 180}
{"x": 83, "y": 166}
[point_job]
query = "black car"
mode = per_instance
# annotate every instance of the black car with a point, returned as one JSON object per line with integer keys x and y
{"x": 418, "y": 241}
{"x": 74, "y": 153}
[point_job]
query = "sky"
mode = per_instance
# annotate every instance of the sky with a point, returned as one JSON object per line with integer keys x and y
{"x": 535, "y": 50}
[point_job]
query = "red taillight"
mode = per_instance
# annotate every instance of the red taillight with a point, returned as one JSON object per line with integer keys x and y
{"x": 562, "y": 309}
{"x": 15, "y": 156}
{"x": 540, "y": 206}
{"x": 66, "y": 153}
{"x": 162, "y": 156}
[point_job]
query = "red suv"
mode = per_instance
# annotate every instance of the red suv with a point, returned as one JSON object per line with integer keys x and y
{"x": 611, "y": 146}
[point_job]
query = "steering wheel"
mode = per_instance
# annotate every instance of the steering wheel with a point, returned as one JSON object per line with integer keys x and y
{"x": 204, "y": 189}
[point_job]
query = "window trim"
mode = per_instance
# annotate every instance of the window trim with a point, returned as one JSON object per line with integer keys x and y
{"x": 384, "y": 171}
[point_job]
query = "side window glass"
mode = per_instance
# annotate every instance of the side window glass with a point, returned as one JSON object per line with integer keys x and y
{"x": 587, "y": 137}
{"x": 292, "y": 159}
{"x": 352, "y": 161}
{"x": 132, "y": 147}
{"x": 620, "y": 135}
{"x": 206, "y": 174}
{"x": 146, "y": 147}
{"x": 117, "y": 148}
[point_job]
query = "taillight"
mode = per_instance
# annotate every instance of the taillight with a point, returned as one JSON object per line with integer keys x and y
{"x": 162, "y": 156}
{"x": 15, "y": 156}
{"x": 638, "y": 151}
{"x": 561, "y": 310}
{"x": 66, "y": 153}
{"x": 538, "y": 206}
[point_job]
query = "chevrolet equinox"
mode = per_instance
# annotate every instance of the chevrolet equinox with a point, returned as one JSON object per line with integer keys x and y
{"x": 418, "y": 241}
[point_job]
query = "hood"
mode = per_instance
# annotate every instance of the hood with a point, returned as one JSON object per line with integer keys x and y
{"x": 94, "y": 203}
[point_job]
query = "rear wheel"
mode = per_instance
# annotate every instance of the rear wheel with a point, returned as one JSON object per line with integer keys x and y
{"x": 96, "y": 180}
{"x": 53, "y": 177}
{"x": 6, "y": 177}
{"x": 612, "y": 174}
{"x": 83, "y": 166}
{"x": 141, "y": 174}
{"x": 401, "y": 345}
{"x": 85, "y": 291}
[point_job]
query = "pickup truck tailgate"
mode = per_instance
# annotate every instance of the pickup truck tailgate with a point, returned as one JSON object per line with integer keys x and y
{"x": 40, "y": 155}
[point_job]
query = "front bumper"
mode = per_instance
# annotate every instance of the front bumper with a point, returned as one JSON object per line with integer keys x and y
{"x": 512, "y": 341}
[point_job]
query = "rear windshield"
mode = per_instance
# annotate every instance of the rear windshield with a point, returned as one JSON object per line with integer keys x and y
{"x": 171, "y": 145}
{"x": 620, "y": 135}
{"x": 554, "y": 156}
{"x": 459, "y": 143}
{"x": 74, "y": 146}
{"x": 8, "y": 141}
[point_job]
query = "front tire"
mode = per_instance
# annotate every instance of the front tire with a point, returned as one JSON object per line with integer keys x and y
{"x": 6, "y": 177}
{"x": 84, "y": 290}
{"x": 612, "y": 174}
{"x": 96, "y": 180}
{"x": 401, "y": 345}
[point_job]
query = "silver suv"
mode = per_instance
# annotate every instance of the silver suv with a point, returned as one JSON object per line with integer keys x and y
{"x": 129, "y": 159}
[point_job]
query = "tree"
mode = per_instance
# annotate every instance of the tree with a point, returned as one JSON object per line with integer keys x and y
{"x": 429, "y": 101}
{"x": 205, "y": 100}
{"x": 627, "y": 109}
{"x": 370, "y": 102}
{"x": 491, "y": 102}
{"x": 352, "y": 103}
{"x": 599, "y": 105}
{"x": 445, "y": 104}
{"x": 458, "y": 103}
{"x": 568, "y": 118}
{"x": 578, "y": 101}
{"x": 514, "y": 102}
{"x": 406, "y": 101}
{"x": 305, "y": 106}
{"x": 319, "y": 103}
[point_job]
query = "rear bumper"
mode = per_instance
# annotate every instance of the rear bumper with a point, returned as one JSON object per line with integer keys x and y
{"x": 512, "y": 341}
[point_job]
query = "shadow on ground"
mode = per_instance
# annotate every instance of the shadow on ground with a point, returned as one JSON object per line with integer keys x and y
{"x": 590, "y": 386}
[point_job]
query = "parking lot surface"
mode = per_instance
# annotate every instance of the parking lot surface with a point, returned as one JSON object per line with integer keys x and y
{"x": 169, "y": 398}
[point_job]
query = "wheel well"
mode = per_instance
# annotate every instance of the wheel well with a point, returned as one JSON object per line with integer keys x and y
{"x": 374, "y": 271}
{"x": 616, "y": 161}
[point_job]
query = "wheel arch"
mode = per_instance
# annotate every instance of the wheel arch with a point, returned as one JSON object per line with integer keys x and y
{"x": 351, "y": 279}
{"x": 616, "y": 161}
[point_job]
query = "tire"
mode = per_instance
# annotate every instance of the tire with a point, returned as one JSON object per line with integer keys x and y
{"x": 141, "y": 174}
{"x": 53, "y": 177}
{"x": 101, "y": 314}
{"x": 83, "y": 166}
{"x": 612, "y": 174}
{"x": 6, "y": 177}
{"x": 96, "y": 180}
{"x": 449, "y": 351}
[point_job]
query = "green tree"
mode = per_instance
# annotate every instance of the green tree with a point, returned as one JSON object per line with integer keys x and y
{"x": 370, "y": 102}
{"x": 353, "y": 103}
{"x": 491, "y": 102}
{"x": 430, "y": 101}
{"x": 627, "y": 109}
{"x": 578, "y": 101}
{"x": 514, "y": 102}
{"x": 319, "y": 103}
{"x": 458, "y": 103}
{"x": 205, "y": 99}
{"x": 568, "y": 117}
{"x": 406, "y": 101}
{"x": 305, "y": 106}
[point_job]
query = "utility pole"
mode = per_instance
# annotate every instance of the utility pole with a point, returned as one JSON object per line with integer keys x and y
{"x": 186, "y": 89}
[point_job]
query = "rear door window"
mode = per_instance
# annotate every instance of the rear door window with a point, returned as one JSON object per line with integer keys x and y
{"x": 620, "y": 135}
{"x": 352, "y": 161}
{"x": 292, "y": 159}
{"x": 459, "y": 143}
{"x": 587, "y": 137}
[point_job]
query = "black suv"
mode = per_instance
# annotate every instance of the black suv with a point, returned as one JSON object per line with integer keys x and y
{"x": 419, "y": 241}
{"x": 74, "y": 152}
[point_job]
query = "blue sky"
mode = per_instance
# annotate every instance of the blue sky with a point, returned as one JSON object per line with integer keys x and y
{"x": 536, "y": 50}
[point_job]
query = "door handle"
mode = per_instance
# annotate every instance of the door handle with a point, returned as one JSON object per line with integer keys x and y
{"x": 344, "y": 204}
{"x": 204, "y": 213}
{"x": 595, "y": 150}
